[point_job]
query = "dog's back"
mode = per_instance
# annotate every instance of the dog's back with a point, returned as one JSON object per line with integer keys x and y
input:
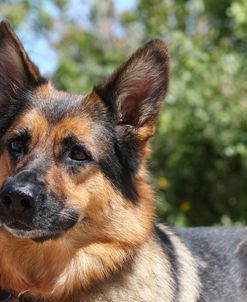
{"x": 220, "y": 254}
{"x": 222, "y": 257}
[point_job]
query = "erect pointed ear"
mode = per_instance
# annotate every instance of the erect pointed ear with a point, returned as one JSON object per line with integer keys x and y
{"x": 16, "y": 69}
{"x": 17, "y": 72}
{"x": 134, "y": 92}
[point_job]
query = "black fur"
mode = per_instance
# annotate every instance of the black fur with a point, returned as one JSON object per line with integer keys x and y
{"x": 14, "y": 106}
{"x": 170, "y": 252}
{"x": 120, "y": 164}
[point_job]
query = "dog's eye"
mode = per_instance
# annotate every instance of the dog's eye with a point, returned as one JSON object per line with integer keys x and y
{"x": 78, "y": 154}
{"x": 17, "y": 146}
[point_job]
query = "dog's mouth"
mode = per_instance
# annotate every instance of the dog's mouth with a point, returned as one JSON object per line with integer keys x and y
{"x": 41, "y": 229}
{"x": 21, "y": 230}
{"x": 16, "y": 225}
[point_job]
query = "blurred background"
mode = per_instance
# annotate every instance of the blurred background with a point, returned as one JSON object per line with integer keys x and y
{"x": 199, "y": 159}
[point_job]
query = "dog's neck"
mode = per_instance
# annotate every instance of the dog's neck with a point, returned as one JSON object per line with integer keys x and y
{"x": 135, "y": 276}
{"x": 71, "y": 271}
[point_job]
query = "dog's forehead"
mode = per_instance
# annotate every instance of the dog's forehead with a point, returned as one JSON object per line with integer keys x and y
{"x": 55, "y": 105}
{"x": 53, "y": 114}
{"x": 45, "y": 135}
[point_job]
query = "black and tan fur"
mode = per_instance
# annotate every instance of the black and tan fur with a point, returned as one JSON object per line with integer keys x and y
{"x": 76, "y": 211}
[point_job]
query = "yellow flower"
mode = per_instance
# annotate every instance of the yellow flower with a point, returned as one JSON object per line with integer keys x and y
{"x": 185, "y": 206}
{"x": 163, "y": 183}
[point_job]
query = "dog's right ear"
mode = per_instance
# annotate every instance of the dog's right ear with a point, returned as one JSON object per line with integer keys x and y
{"x": 16, "y": 69}
{"x": 17, "y": 72}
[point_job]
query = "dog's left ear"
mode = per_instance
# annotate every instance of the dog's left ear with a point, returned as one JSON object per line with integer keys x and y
{"x": 133, "y": 94}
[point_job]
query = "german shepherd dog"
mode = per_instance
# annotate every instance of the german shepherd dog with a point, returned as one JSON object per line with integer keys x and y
{"x": 76, "y": 210}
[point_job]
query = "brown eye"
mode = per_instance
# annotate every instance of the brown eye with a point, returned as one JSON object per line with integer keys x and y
{"x": 17, "y": 146}
{"x": 78, "y": 154}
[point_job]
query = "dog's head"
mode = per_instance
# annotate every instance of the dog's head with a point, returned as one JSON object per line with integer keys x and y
{"x": 74, "y": 165}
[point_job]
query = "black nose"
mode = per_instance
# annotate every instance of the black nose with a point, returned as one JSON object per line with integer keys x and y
{"x": 18, "y": 201}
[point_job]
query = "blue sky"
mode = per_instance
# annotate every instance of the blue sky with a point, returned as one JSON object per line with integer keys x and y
{"x": 125, "y": 4}
{"x": 38, "y": 47}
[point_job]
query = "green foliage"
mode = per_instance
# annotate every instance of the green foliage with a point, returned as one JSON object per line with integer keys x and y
{"x": 201, "y": 149}
{"x": 238, "y": 13}
{"x": 14, "y": 11}
{"x": 199, "y": 161}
